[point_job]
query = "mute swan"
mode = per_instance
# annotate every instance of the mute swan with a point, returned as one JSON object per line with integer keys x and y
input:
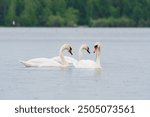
{"x": 46, "y": 62}
{"x": 90, "y": 63}
{"x": 71, "y": 60}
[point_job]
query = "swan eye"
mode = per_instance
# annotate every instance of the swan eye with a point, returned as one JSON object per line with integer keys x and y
{"x": 95, "y": 46}
{"x": 70, "y": 48}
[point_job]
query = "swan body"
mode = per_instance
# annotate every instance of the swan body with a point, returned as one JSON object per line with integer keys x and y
{"x": 70, "y": 60}
{"x": 90, "y": 63}
{"x": 85, "y": 64}
{"x": 40, "y": 62}
{"x": 46, "y": 62}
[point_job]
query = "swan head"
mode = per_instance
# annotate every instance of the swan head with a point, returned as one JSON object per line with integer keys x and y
{"x": 97, "y": 46}
{"x": 85, "y": 47}
{"x": 68, "y": 47}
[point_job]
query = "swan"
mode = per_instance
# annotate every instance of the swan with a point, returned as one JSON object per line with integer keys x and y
{"x": 71, "y": 60}
{"x": 90, "y": 63}
{"x": 46, "y": 62}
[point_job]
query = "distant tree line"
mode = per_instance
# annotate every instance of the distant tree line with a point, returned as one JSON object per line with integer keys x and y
{"x": 59, "y": 13}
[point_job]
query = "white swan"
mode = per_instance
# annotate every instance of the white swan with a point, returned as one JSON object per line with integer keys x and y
{"x": 71, "y": 60}
{"x": 90, "y": 63}
{"x": 46, "y": 62}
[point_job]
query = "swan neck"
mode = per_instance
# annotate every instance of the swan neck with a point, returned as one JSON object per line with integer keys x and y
{"x": 80, "y": 54}
{"x": 61, "y": 54}
{"x": 98, "y": 57}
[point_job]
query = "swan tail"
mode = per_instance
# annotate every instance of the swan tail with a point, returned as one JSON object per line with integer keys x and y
{"x": 24, "y": 63}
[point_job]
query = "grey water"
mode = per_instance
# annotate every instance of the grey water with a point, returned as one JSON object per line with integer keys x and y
{"x": 125, "y": 61}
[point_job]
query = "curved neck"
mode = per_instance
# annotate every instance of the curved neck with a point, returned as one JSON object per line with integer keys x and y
{"x": 61, "y": 54}
{"x": 80, "y": 53}
{"x": 98, "y": 56}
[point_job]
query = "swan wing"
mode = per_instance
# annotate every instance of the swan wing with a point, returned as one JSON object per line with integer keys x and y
{"x": 41, "y": 62}
{"x": 34, "y": 62}
{"x": 50, "y": 63}
{"x": 38, "y": 60}
{"x": 70, "y": 60}
{"x": 57, "y": 59}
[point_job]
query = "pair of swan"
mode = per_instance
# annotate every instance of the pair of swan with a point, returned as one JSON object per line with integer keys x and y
{"x": 89, "y": 63}
{"x": 64, "y": 61}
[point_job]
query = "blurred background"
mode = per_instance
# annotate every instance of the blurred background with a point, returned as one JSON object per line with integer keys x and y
{"x": 72, "y": 13}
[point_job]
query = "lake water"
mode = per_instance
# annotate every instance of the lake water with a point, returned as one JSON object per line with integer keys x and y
{"x": 125, "y": 59}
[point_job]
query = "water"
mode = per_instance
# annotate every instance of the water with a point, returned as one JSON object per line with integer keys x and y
{"x": 125, "y": 60}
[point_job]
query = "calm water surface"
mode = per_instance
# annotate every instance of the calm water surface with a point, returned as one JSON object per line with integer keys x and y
{"x": 125, "y": 60}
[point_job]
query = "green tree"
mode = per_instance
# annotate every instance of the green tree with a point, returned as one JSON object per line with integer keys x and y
{"x": 55, "y": 21}
{"x": 58, "y": 7}
{"x": 11, "y": 13}
{"x": 71, "y": 17}
{"x": 3, "y": 10}
{"x": 81, "y": 6}
{"x": 137, "y": 13}
{"x": 43, "y": 11}
{"x": 28, "y": 16}
{"x": 75, "y": 12}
